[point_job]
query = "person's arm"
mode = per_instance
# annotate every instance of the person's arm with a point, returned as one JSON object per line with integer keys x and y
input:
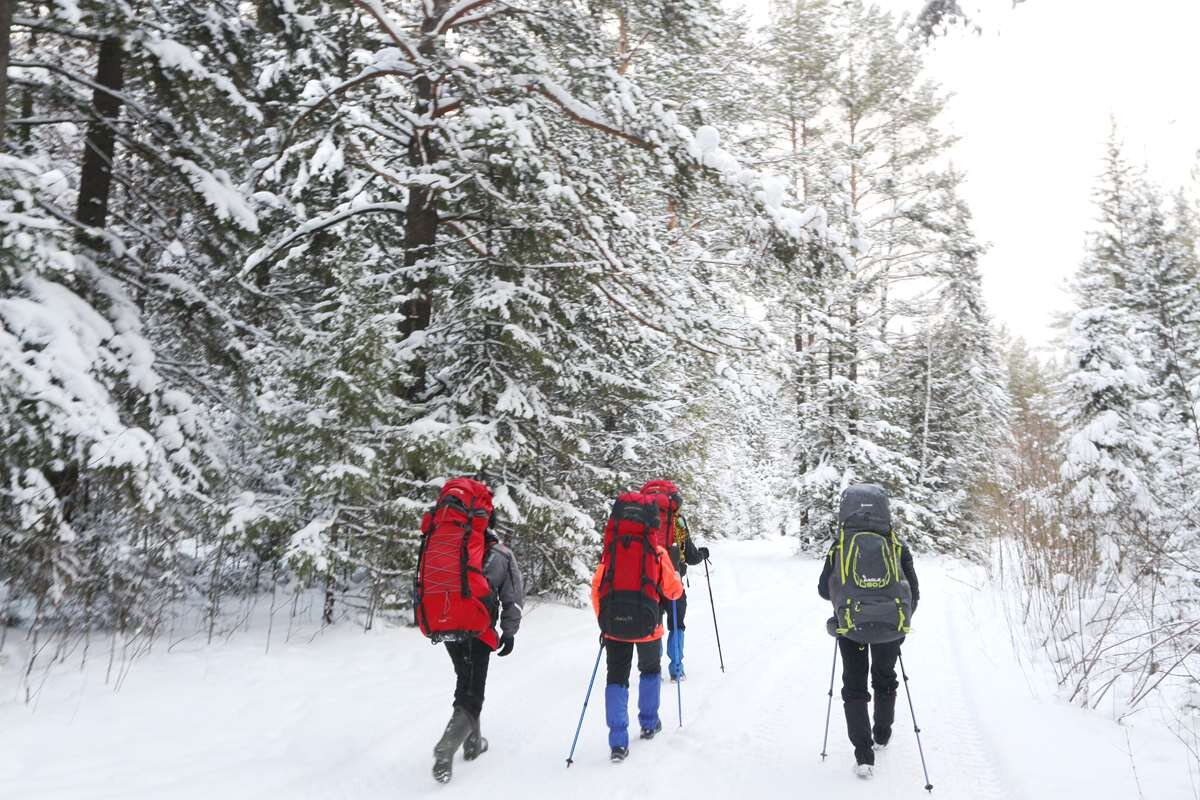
{"x": 596, "y": 579}
{"x": 826, "y": 574}
{"x": 511, "y": 593}
{"x": 910, "y": 574}
{"x": 669, "y": 583}
{"x": 692, "y": 555}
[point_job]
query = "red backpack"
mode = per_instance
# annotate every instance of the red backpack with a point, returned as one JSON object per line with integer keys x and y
{"x": 451, "y": 597}
{"x": 668, "y": 511}
{"x": 629, "y": 591}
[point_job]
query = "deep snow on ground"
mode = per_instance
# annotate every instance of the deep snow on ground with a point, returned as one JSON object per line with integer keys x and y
{"x": 349, "y": 714}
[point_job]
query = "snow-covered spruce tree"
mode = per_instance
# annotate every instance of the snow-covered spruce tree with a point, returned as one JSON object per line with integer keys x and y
{"x": 123, "y": 210}
{"x": 1129, "y": 447}
{"x": 951, "y": 390}
{"x": 529, "y": 310}
{"x": 1110, "y": 420}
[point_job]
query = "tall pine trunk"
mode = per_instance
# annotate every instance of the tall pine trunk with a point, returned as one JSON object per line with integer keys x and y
{"x": 95, "y": 177}
{"x": 5, "y": 44}
{"x": 421, "y": 215}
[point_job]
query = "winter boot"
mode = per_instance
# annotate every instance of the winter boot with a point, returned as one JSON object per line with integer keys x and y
{"x": 865, "y": 771}
{"x": 618, "y": 754}
{"x": 650, "y": 733}
{"x": 616, "y": 713}
{"x": 649, "y": 695}
{"x": 474, "y": 745}
{"x": 443, "y": 753}
{"x": 885, "y": 715}
{"x": 675, "y": 654}
{"x": 858, "y": 726}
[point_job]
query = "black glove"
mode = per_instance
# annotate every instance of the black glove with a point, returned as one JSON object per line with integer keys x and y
{"x": 506, "y": 645}
{"x": 703, "y": 551}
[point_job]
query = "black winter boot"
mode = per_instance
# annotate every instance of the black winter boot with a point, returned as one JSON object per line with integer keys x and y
{"x": 456, "y": 733}
{"x": 885, "y": 715}
{"x": 474, "y": 745}
{"x": 858, "y": 726}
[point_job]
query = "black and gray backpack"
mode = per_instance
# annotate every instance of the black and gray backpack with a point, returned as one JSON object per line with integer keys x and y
{"x": 872, "y": 601}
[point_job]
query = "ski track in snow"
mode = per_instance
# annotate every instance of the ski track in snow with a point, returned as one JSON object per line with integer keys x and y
{"x": 355, "y": 715}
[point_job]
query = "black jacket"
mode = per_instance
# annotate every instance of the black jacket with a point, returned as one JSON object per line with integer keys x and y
{"x": 690, "y": 555}
{"x": 906, "y": 566}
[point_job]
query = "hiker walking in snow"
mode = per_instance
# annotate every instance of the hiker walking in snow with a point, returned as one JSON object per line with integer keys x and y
{"x": 870, "y": 580}
{"x": 684, "y": 553}
{"x": 467, "y": 580}
{"x": 634, "y": 576}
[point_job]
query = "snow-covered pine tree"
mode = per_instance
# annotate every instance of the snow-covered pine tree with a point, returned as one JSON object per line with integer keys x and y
{"x": 713, "y": 430}
{"x": 534, "y": 305}
{"x": 123, "y": 211}
{"x": 867, "y": 117}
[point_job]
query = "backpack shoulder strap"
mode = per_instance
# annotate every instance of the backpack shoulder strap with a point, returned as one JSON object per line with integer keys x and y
{"x": 843, "y": 557}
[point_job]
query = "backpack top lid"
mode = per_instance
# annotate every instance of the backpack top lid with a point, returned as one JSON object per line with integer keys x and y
{"x": 663, "y": 486}
{"x": 865, "y": 507}
{"x": 468, "y": 491}
{"x": 633, "y": 514}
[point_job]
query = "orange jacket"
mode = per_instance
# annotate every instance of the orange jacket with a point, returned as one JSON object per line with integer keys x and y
{"x": 669, "y": 586}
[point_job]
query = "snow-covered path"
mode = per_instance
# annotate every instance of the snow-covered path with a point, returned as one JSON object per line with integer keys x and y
{"x": 354, "y": 715}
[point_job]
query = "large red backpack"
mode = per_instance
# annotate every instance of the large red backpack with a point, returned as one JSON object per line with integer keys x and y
{"x": 451, "y": 597}
{"x": 667, "y": 511}
{"x": 629, "y": 589}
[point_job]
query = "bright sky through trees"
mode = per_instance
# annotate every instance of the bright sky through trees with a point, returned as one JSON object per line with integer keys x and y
{"x": 1034, "y": 94}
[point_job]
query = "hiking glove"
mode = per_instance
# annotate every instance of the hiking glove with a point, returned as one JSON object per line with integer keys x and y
{"x": 703, "y": 551}
{"x": 506, "y": 645}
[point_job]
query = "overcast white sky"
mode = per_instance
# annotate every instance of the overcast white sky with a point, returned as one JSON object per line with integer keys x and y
{"x": 1033, "y": 98}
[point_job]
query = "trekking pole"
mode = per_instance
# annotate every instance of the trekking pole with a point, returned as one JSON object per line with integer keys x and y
{"x": 713, "y": 606}
{"x": 586, "y": 697}
{"x": 916, "y": 728}
{"x": 679, "y": 680}
{"x": 829, "y": 710}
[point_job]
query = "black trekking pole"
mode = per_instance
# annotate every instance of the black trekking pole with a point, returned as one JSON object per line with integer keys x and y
{"x": 713, "y": 606}
{"x": 583, "y": 711}
{"x": 916, "y": 728}
{"x": 829, "y": 710}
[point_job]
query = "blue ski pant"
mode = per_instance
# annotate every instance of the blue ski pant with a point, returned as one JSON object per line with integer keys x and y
{"x": 676, "y": 632}
{"x": 619, "y": 657}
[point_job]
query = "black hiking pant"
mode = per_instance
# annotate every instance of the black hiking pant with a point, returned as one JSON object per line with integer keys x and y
{"x": 470, "y": 668}
{"x": 619, "y": 659}
{"x": 880, "y": 661}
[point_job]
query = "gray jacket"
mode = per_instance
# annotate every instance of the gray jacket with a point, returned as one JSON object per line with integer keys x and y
{"x": 501, "y": 570}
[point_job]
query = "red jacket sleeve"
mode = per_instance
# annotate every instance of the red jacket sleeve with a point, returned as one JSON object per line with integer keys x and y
{"x": 599, "y": 576}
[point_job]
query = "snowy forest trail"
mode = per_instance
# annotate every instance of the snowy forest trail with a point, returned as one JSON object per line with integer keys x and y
{"x": 354, "y": 715}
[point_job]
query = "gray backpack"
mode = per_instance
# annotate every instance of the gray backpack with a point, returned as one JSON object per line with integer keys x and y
{"x": 872, "y": 602}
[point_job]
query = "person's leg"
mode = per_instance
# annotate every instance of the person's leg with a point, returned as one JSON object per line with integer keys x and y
{"x": 616, "y": 693}
{"x": 471, "y": 666}
{"x": 676, "y": 632}
{"x": 460, "y": 724}
{"x": 649, "y": 684}
{"x": 476, "y": 683}
{"x": 855, "y": 665}
{"x": 885, "y": 685}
